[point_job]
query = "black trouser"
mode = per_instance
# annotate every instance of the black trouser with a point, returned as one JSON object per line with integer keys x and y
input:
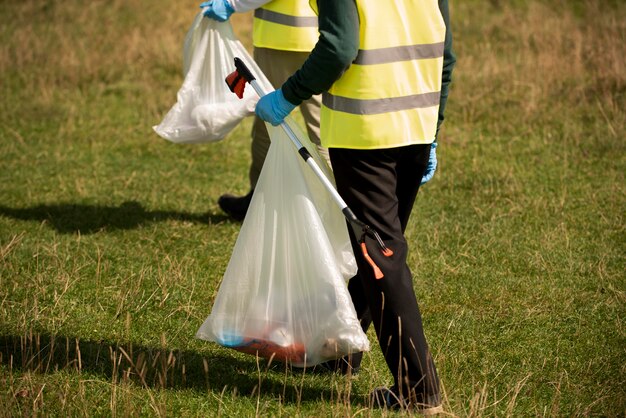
{"x": 380, "y": 187}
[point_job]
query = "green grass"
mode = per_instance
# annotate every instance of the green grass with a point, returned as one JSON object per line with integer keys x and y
{"x": 112, "y": 246}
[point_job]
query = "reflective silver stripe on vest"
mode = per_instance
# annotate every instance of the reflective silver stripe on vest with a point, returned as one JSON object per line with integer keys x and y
{"x": 375, "y": 106}
{"x": 287, "y": 20}
{"x": 399, "y": 53}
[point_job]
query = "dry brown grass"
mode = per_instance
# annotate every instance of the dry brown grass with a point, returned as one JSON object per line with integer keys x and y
{"x": 540, "y": 58}
{"x": 536, "y": 56}
{"x": 72, "y": 44}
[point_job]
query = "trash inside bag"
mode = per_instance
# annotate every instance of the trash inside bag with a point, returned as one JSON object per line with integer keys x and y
{"x": 284, "y": 295}
{"x": 206, "y": 110}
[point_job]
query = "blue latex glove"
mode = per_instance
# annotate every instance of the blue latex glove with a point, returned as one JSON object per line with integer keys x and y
{"x": 432, "y": 164}
{"x": 219, "y": 10}
{"x": 273, "y": 107}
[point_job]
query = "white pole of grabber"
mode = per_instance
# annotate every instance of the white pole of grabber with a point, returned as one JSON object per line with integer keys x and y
{"x": 308, "y": 159}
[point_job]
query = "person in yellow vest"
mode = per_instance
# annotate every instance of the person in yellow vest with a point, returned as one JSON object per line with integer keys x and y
{"x": 384, "y": 68}
{"x": 284, "y": 33}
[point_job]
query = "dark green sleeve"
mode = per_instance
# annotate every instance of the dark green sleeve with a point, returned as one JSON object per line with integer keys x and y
{"x": 335, "y": 50}
{"x": 449, "y": 59}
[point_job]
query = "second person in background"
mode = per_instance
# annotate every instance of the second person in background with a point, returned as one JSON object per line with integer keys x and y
{"x": 284, "y": 33}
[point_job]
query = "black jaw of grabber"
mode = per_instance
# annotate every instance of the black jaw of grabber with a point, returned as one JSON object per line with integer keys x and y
{"x": 237, "y": 80}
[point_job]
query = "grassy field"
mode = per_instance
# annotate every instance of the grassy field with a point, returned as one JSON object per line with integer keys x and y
{"x": 112, "y": 245}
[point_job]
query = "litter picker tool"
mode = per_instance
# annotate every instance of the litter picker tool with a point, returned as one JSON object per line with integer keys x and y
{"x": 237, "y": 82}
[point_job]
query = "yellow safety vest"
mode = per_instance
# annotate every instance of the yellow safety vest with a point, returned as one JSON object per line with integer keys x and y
{"x": 389, "y": 96}
{"x": 288, "y": 25}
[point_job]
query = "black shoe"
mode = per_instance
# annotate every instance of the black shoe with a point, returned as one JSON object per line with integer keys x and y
{"x": 390, "y": 398}
{"x": 235, "y": 206}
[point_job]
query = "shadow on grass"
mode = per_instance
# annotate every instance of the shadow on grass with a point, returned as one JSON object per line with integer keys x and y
{"x": 158, "y": 368}
{"x": 70, "y": 218}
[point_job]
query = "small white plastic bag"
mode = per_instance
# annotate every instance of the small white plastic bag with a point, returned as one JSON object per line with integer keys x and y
{"x": 206, "y": 110}
{"x": 283, "y": 295}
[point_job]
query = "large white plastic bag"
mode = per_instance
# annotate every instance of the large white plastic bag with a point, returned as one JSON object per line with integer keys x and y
{"x": 206, "y": 110}
{"x": 283, "y": 295}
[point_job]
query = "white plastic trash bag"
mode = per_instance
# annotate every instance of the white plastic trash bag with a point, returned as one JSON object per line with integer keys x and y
{"x": 206, "y": 110}
{"x": 284, "y": 295}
